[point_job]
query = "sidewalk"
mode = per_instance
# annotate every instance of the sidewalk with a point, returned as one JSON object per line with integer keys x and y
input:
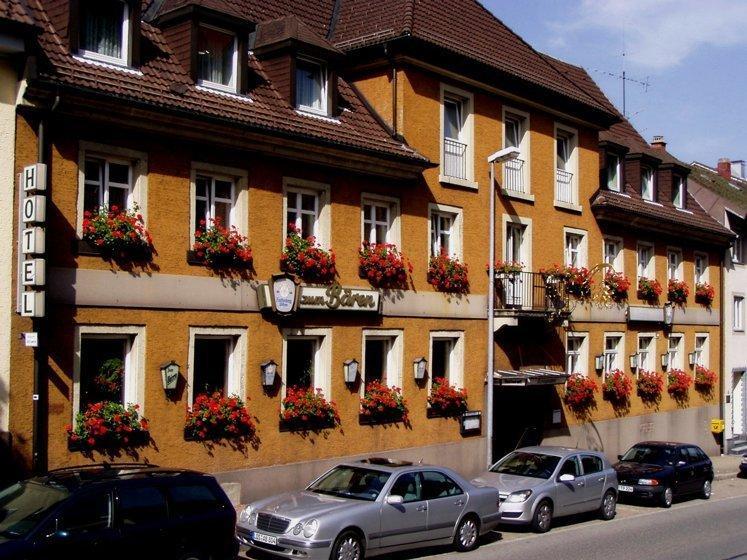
{"x": 726, "y": 466}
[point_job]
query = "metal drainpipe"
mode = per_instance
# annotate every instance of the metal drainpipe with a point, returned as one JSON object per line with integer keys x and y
{"x": 491, "y": 290}
{"x": 722, "y": 351}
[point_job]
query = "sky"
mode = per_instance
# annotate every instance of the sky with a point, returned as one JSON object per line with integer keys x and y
{"x": 691, "y": 53}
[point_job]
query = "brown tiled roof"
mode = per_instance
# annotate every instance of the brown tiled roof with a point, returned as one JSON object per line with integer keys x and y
{"x": 161, "y": 82}
{"x": 290, "y": 27}
{"x": 15, "y": 11}
{"x": 734, "y": 190}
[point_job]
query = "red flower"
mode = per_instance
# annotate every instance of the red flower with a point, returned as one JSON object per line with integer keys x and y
{"x": 678, "y": 384}
{"x": 677, "y": 291}
{"x": 216, "y": 417}
{"x": 650, "y": 386}
{"x": 649, "y": 289}
{"x": 446, "y": 398}
{"x": 304, "y": 258}
{"x": 579, "y": 393}
{"x": 383, "y": 265}
{"x": 618, "y": 387}
{"x": 447, "y": 274}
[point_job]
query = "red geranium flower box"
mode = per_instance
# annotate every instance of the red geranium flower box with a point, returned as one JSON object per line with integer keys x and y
{"x": 577, "y": 280}
{"x": 307, "y": 260}
{"x": 649, "y": 289}
{"x": 214, "y": 417}
{"x": 650, "y": 385}
{"x": 107, "y": 424}
{"x": 306, "y": 408}
{"x": 222, "y": 247}
{"x": 704, "y": 293}
{"x": 383, "y": 265}
{"x": 118, "y": 234}
{"x": 445, "y": 399}
{"x": 705, "y": 379}
{"x": 618, "y": 285}
{"x": 381, "y": 403}
{"x": 618, "y": 387}
{"x": 677, "y": 291}
{"x": 678, "y": 384}
{"x": 447, "y": 274}
{"x": 579, "y": 393}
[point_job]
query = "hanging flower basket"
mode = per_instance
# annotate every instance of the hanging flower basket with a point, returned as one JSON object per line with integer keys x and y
{"x": 381, "y": 404}
{"x": 447, "y": 274}
{"x": 305, "y": 259}
{"x": 108, "y": 424}
{"x": 617, "y": 387}
{"x": 677, "y": 291}
{"x": 650, "y": 386}
{"x": 705, "y": 379}
{"x": 446, "y": 400}
{"x": 678, "y": 384}
{"x": 704, "y": 293}
{"x": 618, "y": 285}
{"x": 306, "y": 409}
{"x": 214, "y": 417}
{"x": 108, "y": 381}
{"x": 579, "y": 393}
{"x": 118, "y": 234}
{"x": 507, "y": 267}
{"x": 219, "y": 247}
{"x": 649, "y": 289}
{"x": 383, "y": 265}
{"x": 577, "y": 280}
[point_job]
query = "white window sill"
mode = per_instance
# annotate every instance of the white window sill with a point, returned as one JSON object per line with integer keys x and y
{"x": 518, "y": 195}
{"x": 569, "y": 206}
{"x": 683, "y": 210}
{"x": 652, "y": 202}
{"x": 222, "y": 90}
{"x": 106, "y": 62}
{"x": 456, "y": 181}
{"x": 618, "y": 193}
{"x": 317, "y": 115}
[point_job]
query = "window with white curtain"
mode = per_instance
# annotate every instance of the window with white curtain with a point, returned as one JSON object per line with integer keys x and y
{"x": 576, "y": 354}
{"x": 311, "y": 86}
{"x": 646, "y": 353}
{"x": 377, "y": 220}
{"x": 674, "y": 350}
{"x": 738, "y": 313}
{"x": 108, "y": 183}
{"x": 104, "y": 31}
{"x": 674, "y": 266}
{"x": 613, "y": 172}
{"x": 613, "y": 253}
{"x": 612, "y": 352}
{"x": 217, "y": 58}
{"x": 678, "y": 192}
{"x": 215, "y": 198}
{"x": 574, "y": 250}
{"x": 647, "y": 184}
{"x": 645, "y": 260}
{"x": 701, "y": 268}
{"x": 303, "y": 211}
{"x": 701, "y": 350}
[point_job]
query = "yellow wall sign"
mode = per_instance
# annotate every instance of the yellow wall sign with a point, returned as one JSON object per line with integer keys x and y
{"x": 717, "y": 425}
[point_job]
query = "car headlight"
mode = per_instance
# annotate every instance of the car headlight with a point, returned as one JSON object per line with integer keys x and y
{"x": 310, "y": 528}
{"x": 246, "y": 515}
{"x": 297, "y": 528}
{"x": 518, "y": 497}
{"x": 648, "y": 482}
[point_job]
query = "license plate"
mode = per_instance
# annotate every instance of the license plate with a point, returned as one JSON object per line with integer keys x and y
{"x": 267, "y": 539}
{"x": 625, "y": 488}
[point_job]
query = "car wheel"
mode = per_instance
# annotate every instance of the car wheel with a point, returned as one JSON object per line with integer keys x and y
{"x": 608, "y": 509}
{"x": 542, "y": 519}
{"x": 667, "y": 496}
{"x": 705, "y": 491}
{"x": 348, "y": 546}
{"x": 467, "y": 534}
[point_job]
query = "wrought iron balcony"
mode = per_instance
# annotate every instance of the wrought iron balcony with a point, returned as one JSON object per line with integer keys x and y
{"x": 529, "y": 293}
{"x": 513, "y": 175}
{"x": 455, "y": 159}
{"x": 564, "y": 186}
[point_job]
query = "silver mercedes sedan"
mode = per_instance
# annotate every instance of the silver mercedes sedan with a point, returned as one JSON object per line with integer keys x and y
{"x": 539, "y": 483}
{"x": 368, "y": 508}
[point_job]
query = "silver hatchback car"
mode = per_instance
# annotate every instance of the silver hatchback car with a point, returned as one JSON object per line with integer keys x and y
{"x": 370, "y": 507}
{"x": 539, "y": 483}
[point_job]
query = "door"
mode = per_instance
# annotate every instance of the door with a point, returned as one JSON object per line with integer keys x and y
{"x": 446, "y": 502}
{"x": 594, "y": 479}
{"x": 738, "y": 406}
{"x": 142, "y": 515}
{"x": 569, "y": 496}
{"x": 684, "y": 472}
{"x": 404, "y": 523}
{"x": 513, "y": 284}
{"x": 701, "y": 467}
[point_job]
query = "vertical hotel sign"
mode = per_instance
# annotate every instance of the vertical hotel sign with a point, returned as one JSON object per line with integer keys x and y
{"x": 33, "y": 214}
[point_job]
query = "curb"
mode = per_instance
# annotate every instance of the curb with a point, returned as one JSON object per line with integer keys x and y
{"x": 725, "y": 476}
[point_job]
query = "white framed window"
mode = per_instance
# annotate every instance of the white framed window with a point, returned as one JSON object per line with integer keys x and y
{"x": 647, "y": 184}
{"x": 614, "y": 349}
{"x": 674, "y": 264}
{"x": 738, "y": 313}
{"x": 105, "y": 31}
{"x": 517, "y": 246}
{"x": 457, "y": 141}
{"x": 306, "y": 205}
{"x": 382, "y": 358}
{"x": 95, "y": 345}
{"x": 701, "y": 351}
{"x": 516, "y": 172}
{"x": 111, "y": 176}
{"x": 577, "y": 353}
{"x": 646, "y": 351}
{"x": 446, "y": 357}
{"x": 311, "y": 86}
{"x": 614, "y": 175}
{"x": 612, "y": 253}
{"x": 645, "y": 253}
{"x": 307, "y": 360}
{"x": 675, "y": 350}
{"x": 575, "y": 247}
{"x": 380, "y": 219}
{"x": 445, "y": 230}
{"x": 566, "y": 167}
{"x": 217, "y": 361}
{"x": 679, "y": 196}
{"x": 218, "y": 192}
{"x": 701, "y": 267}
{"x": 737, "y": 225}
{"x": 217, "y": 58}
{"x": 736, "y": 249}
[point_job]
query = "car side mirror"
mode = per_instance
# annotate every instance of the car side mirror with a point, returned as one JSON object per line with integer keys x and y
{"x": 394, "y": 500}
{"x": 567, "y": 478}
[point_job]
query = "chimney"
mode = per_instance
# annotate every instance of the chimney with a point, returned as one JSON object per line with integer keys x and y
{"x": 724, "y": 168}
{"x": 658, "y": 143}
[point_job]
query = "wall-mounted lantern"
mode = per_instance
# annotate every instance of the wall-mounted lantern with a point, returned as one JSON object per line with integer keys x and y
{"x": 419, "y": 366}
{"x": 634, "y": 361}
{"x": 692, "y": 358}
{"x": 665, "y": 361}
{"x": 599, "y": 362}
{"x": 668, "y": 314}
{"x": 350, "y": 369}
{"x": 269, "y": 371}
{"x": 170, "y": 375}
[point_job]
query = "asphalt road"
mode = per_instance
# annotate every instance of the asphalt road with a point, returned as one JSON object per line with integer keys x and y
{"x": 692, "y": 529}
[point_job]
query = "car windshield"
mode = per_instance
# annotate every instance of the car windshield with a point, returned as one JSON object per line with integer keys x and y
{"x": 522, "y": 463}
{"x": 24, "y": 504}
{"x": 351, "y": 482}
{"x": 649, "y": 454}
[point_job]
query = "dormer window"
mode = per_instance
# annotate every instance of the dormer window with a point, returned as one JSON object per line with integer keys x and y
{"x": 678, "y": 192}
{"x": 647, "y": 184}
{"x": 311, "y": 86}
{"x": 105, "y": 31}
{"x": 613, "y": 172}
{"x": 217, "y": 58}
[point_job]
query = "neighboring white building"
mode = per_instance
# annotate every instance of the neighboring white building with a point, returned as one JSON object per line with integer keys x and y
{"x": 723, "y": 194}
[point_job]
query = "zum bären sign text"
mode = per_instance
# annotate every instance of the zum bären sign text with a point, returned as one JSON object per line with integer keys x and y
{"x": 337, "y": 298}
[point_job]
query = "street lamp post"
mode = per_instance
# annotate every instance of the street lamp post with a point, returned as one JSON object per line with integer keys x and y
{"x": 500, "y": 156}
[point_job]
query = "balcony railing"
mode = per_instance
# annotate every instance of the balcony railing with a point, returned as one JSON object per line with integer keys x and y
{"x": 564, "y": 186}
{"x": 455, "y": 159}
{"x": 529, "y": 291}
{"x": 513, "y": 175}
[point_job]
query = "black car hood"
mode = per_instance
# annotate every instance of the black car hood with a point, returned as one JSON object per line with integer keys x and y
{"x": 627, "y": 468}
